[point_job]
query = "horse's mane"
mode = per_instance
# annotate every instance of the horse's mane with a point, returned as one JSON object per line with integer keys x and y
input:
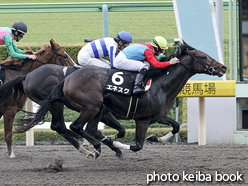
{"x": 19, "y": 62}
{"x": 44, "y": 48}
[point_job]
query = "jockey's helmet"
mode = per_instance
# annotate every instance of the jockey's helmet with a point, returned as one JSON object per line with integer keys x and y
{"x": 20, "y": 27}
{"x": 124, "y": 36}
{"x": 159, "y": 42}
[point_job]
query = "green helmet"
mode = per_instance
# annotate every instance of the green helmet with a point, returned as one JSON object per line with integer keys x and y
{"x": 159, "y": 42}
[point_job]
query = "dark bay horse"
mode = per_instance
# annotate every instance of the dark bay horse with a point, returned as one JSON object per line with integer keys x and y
{"x": 48, "y": 54}
{"x": 47, "y": 77}
{"x": 84, "y": 91}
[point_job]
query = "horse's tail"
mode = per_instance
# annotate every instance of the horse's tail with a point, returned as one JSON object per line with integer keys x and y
{"x": 55, "y": 95}
{"x": 12, "y": 90}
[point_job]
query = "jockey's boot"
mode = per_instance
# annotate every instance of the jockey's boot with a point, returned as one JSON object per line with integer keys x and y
{"x": 139, "y": 86}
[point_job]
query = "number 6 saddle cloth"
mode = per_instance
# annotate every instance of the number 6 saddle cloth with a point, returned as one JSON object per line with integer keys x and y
{"x": 122, "y": 82}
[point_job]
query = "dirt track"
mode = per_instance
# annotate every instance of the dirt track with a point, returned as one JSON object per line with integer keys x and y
{"x": 36, "y": 165}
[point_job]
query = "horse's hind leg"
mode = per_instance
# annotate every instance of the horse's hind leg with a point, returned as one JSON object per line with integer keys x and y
{"x": 92, "y": 129}
{"x": 167, "y": 121}
{"x": 86, "y": 100}
{"x": 58, "y": 125}
{"x": 9, "y": 116}
{"x": 77, "y": 126}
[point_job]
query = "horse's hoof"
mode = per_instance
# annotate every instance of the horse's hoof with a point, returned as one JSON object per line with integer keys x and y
{"x": 90, "y": 156}
{"x": 152, "y": 138}
{"x": 97, "y": 152}
{"x": 119, "y": 155}
{"x": 85, "y": 151}
{"x": 86, "y": 147}
{"x": 85, "y": 143}
{"x": 12, "y": 156}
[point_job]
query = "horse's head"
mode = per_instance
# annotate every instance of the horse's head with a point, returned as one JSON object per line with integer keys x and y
{"x": 54, "y": 54}
{"x": 200, "y": 62}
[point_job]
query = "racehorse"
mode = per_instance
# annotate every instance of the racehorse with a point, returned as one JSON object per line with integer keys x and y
{"x": 48, "y": 54}
{"x": 84, "y": 90}
{"x": 47, "y": 77}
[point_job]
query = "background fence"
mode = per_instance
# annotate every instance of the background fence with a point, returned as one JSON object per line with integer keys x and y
{"x": 69, "y": 27}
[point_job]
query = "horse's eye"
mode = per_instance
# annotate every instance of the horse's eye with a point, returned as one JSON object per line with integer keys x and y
{"x": 204, "y": 57}
{"x": 65, "y": 56}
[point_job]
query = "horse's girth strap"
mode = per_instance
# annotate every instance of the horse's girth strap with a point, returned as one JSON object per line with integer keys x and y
{"x": 133, "y": 103}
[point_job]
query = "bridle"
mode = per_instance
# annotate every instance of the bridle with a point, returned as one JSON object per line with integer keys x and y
{"x": 206, "y": 67}
{"x": 56, "y": 56}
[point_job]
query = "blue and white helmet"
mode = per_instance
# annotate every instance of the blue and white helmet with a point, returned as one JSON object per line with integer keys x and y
{"x": 124, "y": 36}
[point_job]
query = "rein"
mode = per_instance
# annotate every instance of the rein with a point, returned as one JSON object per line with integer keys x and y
{"x": 207, "y": 67}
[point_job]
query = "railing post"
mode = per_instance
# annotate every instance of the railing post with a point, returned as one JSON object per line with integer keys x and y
{"x": 105, "y": 19}
{"x": 202, "y": 122}
{"x": 177, "y": 118}
{"x": 30, "y": 132}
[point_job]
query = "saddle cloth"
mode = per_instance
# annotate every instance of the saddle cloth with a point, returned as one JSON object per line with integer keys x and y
{"x": 122, "y": 82}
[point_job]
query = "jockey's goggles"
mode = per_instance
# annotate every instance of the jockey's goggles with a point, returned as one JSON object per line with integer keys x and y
{"x": 162, "y": 51}
{"x": 125, "y": 44}
{"x": 20, "y": 34}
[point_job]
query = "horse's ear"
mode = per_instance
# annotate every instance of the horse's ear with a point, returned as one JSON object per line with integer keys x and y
{"x": 181, "y": 41}
{"x": 186, "y": 46}
{"x": 52, "y": 42}
{"x": 185, "y": 43}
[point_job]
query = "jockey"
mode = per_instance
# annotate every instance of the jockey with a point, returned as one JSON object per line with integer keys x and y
{"x": 93, "y": 52}
{"x": 138, "y": 57}
{"x": 16, "y": 32}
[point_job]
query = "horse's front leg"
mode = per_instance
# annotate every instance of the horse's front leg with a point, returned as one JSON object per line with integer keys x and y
{"x": 140, "y": 132}
{"x": 108, "y": 119}
{"x": 9, "y": 116}
{"x": 167, "y": 121}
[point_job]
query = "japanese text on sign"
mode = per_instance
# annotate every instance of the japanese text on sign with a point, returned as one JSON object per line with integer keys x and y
{"x": 208, "y": 89}
{"x": 198, "y": 89}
